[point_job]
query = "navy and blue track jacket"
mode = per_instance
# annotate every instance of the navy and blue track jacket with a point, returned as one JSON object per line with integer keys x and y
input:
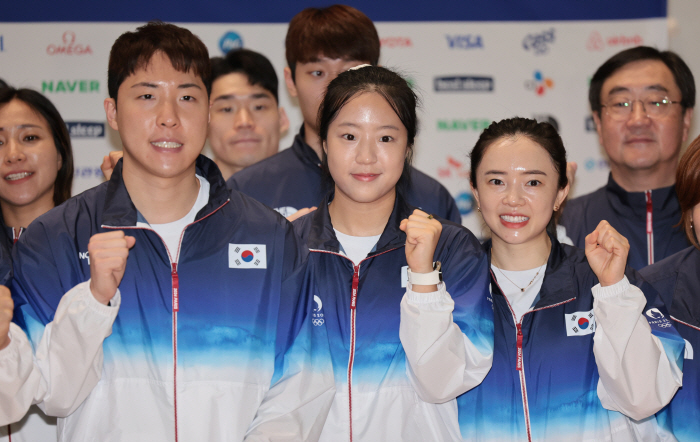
{"x": 206, "y": 336}
{"x": 647, "y": 219}
{"x": 544, "y": 379}
{"x": 375, "y": 400}
{"x": 292, "y": 180}
{"x": 677, "y": 279}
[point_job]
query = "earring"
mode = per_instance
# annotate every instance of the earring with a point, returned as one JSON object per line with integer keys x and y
{"x": 478, "y": 209}
{"x": 556, "y": 208}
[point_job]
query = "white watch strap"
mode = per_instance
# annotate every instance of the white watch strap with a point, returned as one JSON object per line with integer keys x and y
{"x": 424, "y": 278}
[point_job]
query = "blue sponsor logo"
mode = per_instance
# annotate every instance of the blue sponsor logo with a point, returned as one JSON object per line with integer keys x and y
{"x": 85, "y": 129}
{"x": 539, "y": 43}
{"x": 88, "y": 172}
{"x": 463, "y": 83}
{"x": 230, "y": 41}
{"x": 592, "y": 164}
{"x": 467, "y": 41}
{"x": 465, "y": 203}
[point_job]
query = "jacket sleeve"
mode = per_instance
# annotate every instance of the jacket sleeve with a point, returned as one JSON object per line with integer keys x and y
{"x": 450, "y": 335}
{"x": 637, "y": 351}
{"x": 68, "y": 360}
{"x": 302, "y": 387}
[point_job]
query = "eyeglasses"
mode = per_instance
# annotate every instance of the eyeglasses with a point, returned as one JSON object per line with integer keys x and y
{"x": 653, "y": 107}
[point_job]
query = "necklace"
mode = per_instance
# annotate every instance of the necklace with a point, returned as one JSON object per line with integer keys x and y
{"x": 522, "y": 289}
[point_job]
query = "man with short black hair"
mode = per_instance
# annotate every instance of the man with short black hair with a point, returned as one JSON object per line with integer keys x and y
{"x": 214, "y": 339}
{"x": 246, "y": 119}
{"x": 320, "y": 44}
{"x": 642, "y": 101}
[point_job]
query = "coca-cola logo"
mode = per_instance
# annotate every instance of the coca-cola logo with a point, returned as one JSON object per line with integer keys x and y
{"x": 396, "y": 42}
{"x": 69, "y": 46}
{"x": 596, "y": 42}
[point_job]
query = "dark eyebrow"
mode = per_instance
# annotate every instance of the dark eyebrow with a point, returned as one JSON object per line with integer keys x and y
{"x": 189, "y": 85}
{"x": 494, "y": 172}
{"x": 145, "y": 84}
{"x": 653, "y": 87}
{"x": 389, "y": 126}
{"x": 255, "y": 96}
{"x": 534, "y": 172}
{"x": 25, "y": 126}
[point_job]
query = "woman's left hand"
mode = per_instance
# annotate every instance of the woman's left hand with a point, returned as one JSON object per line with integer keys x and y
{"x": 606, "y": 251}
{"x": 422, "y": 235}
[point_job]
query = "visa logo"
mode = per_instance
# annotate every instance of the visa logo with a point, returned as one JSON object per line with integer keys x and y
{"x": 468, "y": 41}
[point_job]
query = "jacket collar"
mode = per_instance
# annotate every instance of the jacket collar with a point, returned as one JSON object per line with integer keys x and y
{"x": 304, "y": 152}
{"x": 119, "y": 210}
{"x": 322, "y": 236}
{"x": 558, "y": 283}
{"x": 664, "y": 199}
{"x": 686, "y": 303}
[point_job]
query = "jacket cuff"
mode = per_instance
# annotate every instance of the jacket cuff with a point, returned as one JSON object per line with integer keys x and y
{"x": 105, "y": 310}
{"x": 439, "y": 296}
{"x": 611, "y": 291}
{"x": 17, "y": 337}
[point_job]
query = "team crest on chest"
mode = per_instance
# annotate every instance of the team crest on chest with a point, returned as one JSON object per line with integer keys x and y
{"x": 247, "y": 256}
{"x": 580, "y": 323}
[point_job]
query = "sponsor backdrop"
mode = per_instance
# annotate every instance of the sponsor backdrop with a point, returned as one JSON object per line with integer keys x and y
{"x": 471, "y": 65}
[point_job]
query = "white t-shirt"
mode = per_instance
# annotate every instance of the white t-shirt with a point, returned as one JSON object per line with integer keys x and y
{"x": 171, "y": 232}
{"x": 356, "y": 247}
{"x": 521, "y": 302}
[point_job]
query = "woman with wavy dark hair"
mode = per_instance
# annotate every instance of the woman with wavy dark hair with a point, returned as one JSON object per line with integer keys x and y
{"x": 677, "y": 279}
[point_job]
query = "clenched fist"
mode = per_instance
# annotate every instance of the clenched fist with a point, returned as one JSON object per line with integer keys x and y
{"x": 108, "y": 254}
{"x": 606, "y": 251}
{"x": 6, "y": 308}
{"x": 422, "y": 235}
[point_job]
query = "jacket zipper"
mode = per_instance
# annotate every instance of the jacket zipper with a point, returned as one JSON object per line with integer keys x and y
{"x": 519, "y": 365}
{"x": 353, "y": 314}
{"x": 650, "y": 227}
{"x": 175, "y": 285}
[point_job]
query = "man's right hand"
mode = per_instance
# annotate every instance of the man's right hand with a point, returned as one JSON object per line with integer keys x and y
{"x": 6, "y": 308}
{"x": 108, "y": 253}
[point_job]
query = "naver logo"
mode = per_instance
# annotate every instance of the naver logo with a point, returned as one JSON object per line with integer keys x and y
{"x": 70, "y": 86}
{"x": 466, "y": 41}
{"x": 85, "y": 129}
{"x": 463, "y": 83}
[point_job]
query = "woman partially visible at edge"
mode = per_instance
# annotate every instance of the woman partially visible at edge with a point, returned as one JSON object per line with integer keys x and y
{"x": 552, "y": 302}
{"x": 36, "y": 174}
{"x": 357, "y": 267}
{"x": 677, "y": 279}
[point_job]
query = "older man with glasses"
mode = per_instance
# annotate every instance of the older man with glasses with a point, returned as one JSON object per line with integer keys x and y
{"x": 642, "y": 102}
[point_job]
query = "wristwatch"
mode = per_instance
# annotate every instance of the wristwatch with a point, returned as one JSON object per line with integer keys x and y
{"x": 431, "y": 278}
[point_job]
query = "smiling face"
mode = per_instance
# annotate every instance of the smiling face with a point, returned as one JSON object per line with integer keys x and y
{"x": 366, "y": 149}
{"x": 246, "y": 122}
{"x": 517, "y": 190}
{"x": 640, "y": 142}
{"x": 310, "y": 83}
{"x": 162, "y": 117}
{"x": 30, "y": 161}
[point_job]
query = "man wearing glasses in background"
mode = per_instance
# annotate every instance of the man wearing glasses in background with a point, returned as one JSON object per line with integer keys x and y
{"x": 642, "y": 102}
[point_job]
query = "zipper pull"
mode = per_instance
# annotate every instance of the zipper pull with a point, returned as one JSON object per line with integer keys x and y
{"x": 519, "y": 364}
{"x": 355, "y": 284}
{"x": 176, "y": 289}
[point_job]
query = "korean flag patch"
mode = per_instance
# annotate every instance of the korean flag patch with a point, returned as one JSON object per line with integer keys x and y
{"x": 247, "y": 256}
{"x": 580, "y": 323}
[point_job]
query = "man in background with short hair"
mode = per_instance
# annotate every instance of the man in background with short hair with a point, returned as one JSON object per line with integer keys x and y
{"x": 642, "y": 101}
